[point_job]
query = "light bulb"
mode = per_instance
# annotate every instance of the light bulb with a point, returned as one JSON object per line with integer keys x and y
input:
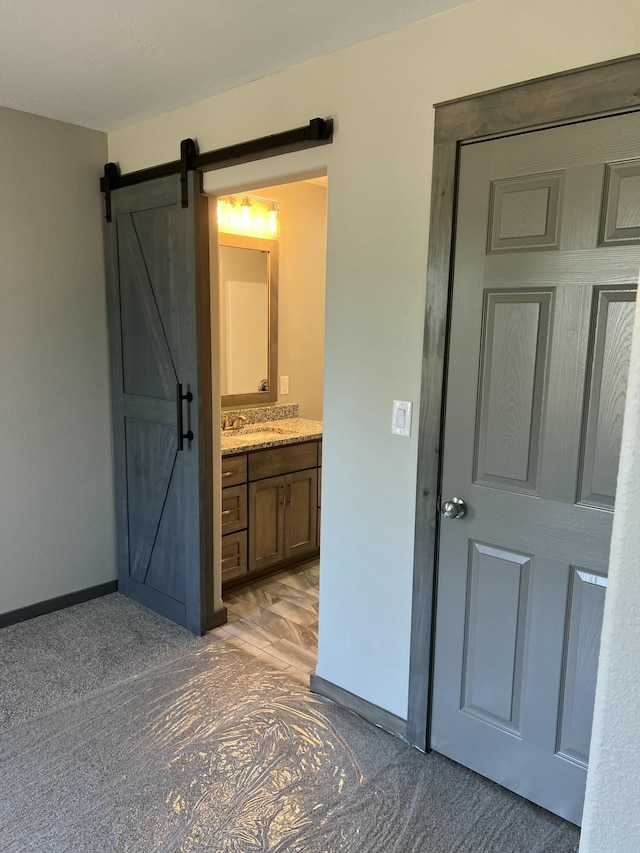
{"x": 273, "y": 221}
{"x": 246, "y": 214}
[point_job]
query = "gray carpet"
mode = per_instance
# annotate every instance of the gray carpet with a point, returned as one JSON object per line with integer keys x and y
{"x": 194, "y": 745}
{"x": 58, "y": 658}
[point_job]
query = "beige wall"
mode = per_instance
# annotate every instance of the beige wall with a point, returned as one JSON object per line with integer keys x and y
{"x": 56, "y": 491}
{"x": 381, "y": 94}
{"x": 303, "y": 251}
{"x": 612, "y": 815}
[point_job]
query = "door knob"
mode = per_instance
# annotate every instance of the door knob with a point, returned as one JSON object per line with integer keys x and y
{"x": 455, "y": 508}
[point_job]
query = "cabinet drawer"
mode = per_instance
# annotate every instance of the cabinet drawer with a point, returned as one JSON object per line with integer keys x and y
{"x": 234, "y": 555}
{"x": 283, "y": 460}
{"x": 234, "y": 509}
{"x": 234, "y": 470}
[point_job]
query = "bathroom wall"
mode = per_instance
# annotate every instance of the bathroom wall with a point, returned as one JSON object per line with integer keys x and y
{"x": 303, "y": 253}
{"x": 301, "y": 291}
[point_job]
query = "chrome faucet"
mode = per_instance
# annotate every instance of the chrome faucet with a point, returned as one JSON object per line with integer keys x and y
{"x": 237, "y": 422}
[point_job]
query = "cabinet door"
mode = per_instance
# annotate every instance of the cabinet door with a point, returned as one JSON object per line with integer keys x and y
{"x": 301, "y": 516}
{"x": 266, "y": 522}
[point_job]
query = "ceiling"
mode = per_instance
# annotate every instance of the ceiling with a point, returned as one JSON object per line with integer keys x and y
{"x": 105, "y": 64}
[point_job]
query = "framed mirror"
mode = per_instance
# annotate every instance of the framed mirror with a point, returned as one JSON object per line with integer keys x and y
{"x": 248, "y": 276}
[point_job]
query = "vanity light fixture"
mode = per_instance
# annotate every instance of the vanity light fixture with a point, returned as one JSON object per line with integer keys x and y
{"x": 249, "y": 216}
{"x": 224, "y": 207}
{"x": 273, "y": 220}
{"x": 246, "y": 215}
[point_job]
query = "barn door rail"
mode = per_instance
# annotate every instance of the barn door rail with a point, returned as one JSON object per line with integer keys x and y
{"x": 319, "y": 131}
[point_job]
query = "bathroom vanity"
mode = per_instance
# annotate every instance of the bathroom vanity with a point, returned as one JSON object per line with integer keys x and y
{"x": 271, "y": 484}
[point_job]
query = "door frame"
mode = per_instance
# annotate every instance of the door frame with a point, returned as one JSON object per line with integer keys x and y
{"x": 595, "y": 91}
{"x": 239, "y": 186}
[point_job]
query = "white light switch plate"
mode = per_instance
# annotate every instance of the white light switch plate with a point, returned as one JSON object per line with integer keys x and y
{"x": 401, "y": 419}
{"x": 284, "y": 384}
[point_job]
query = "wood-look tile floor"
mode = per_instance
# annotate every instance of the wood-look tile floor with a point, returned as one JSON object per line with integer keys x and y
{"x": 276, "y": 619}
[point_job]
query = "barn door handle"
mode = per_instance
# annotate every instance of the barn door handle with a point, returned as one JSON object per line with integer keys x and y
{"x": 180, "y": 397}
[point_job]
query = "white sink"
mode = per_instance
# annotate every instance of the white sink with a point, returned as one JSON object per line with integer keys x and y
{"x": 264, "y": 433}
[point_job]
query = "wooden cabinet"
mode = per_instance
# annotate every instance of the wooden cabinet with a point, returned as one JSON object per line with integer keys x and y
{"x": 234, "y": 555}
{"x": 266, "y": 511}
{"x": 319, "y": 489}
{"x": 283, "y": 460}
{"x": 279, "y": 524}
{"x": 234, "y": 517}
{"x": 283, "y": 518}
{"x": 301, "y": 513}
{"x": 234, "y": 470}
{"x": 234, "y": 509}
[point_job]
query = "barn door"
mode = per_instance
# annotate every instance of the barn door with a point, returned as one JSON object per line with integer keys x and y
{"x": 545, "y": 274}
{"x": 154, "y": 256}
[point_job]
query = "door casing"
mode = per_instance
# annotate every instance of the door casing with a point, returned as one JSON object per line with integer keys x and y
{"x": 596, "y": 91}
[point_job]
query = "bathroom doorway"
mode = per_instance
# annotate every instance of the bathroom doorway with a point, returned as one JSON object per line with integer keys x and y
{"x": 270, "y": 568}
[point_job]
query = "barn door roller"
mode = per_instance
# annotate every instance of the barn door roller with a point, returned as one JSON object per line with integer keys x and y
{"x": 319, "y": 131}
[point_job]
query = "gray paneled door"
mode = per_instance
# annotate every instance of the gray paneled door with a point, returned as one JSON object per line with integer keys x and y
{"x": 151, "y": 286}
{"x": 545, "y": 274}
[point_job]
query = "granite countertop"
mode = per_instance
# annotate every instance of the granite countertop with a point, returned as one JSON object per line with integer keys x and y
{"x": 273, "y": 433}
